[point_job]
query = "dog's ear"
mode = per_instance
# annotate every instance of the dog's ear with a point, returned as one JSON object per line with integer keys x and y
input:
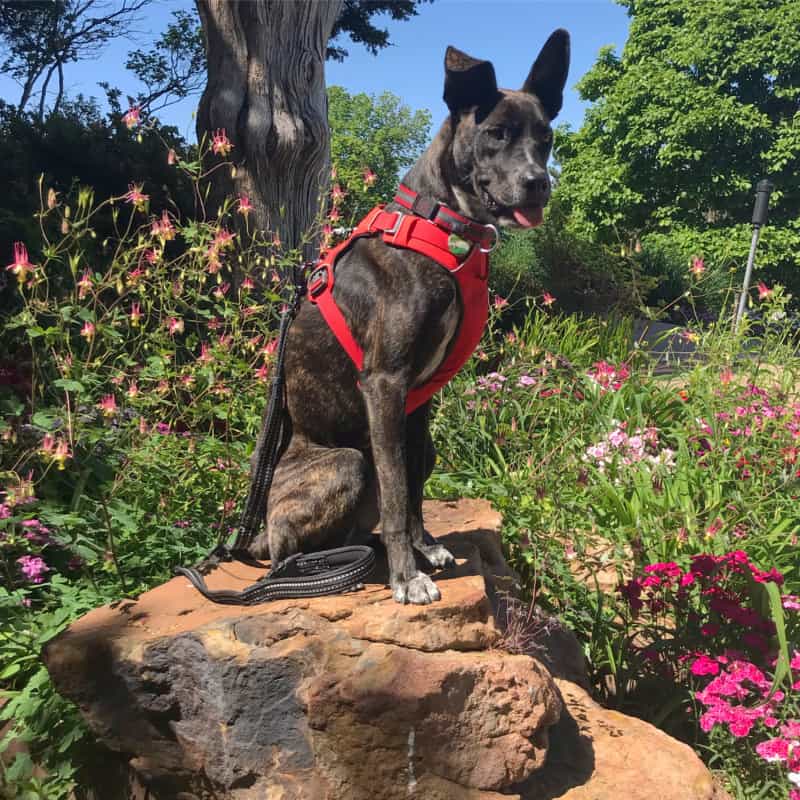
{"x": 549, "y": 72}
{"x": 468, "y": 81}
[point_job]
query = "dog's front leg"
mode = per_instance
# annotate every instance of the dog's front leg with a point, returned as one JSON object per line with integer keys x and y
{"x": 421, "y": 458}
{"x": 385, "y": 397}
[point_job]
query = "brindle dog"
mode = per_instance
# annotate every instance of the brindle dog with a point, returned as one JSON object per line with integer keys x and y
{"x": 354, "y": 456}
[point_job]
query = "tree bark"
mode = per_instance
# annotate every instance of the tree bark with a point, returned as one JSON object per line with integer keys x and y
{"x": 266, "y": 88}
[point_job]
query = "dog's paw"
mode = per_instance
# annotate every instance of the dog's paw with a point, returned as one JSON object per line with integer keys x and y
{"x": 438, "y": 556}
{"x": 420, "y": 590}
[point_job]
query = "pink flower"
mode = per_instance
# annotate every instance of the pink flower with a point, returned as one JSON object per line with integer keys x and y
{"x": 248, "y": 285}
{"x": 135, "y": 196}
{"x": 20, "y": 266}
{"x": 108, "y": 405}
{"x": 175, "y": 325}
{"x": 500, "y": 302}
{"x": 33, "y": 568}
{"x": 245, "y": 206}
{"x": 337, "y": 194}
{"x": 133, "y": 390}
{"x": 84, "y": 284}
{"x": 220, "y": 143}
{"x": 764, "y": 292}
{"x": 132, "y": 117}
{"x": 773, "y": 750}
{"x": 369, "y": 177}
{"x": 172, "y": 157}
{"x": 223, "y": 238}
{"x": 698, "y": 267}
{"x": 726, "y": 376}
{"x": 88, "y": 331}
{"x": 548, "y": 299}
{"x": 262, "y": 373}
{"x": 135, "y": 314}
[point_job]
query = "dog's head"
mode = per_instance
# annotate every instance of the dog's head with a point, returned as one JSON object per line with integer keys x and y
{"x": 501, "y": 139}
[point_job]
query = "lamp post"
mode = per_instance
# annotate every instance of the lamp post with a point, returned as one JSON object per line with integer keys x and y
{"x": 763, "y": 190}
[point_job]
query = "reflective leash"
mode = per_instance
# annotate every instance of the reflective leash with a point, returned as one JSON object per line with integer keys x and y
{"x": 312, "y": 575}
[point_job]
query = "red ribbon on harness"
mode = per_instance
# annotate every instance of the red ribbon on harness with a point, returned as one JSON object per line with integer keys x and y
{"x": 427, "y": 230}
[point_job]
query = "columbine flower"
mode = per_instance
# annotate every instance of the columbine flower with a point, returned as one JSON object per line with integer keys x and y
{"x": 334, "y": 215}
{"x": 698, "y": 267}
{"x": 163, "y": 228}
{"x": 223, "y": 238}
{"x": 136, "y": 197}
{"x": 175, "y": 325}
{"x": 369, "y": 177}
{"x": 132, "y": 116}
{"x": 764, "y": 292}
{"x": 20, "y": 266}
{"x": 84, "y": 284}
{"x": 221, "y": 144}
{"x": 262, "y": 373}
{"x": 245, "y": 206}
{"x": 136, "y": 314}
{"x": 61, "y": 453}
{"x": 548, "y": 299}
{"x": 88, "y": 331}
{"x": 500, "y": 302}
{"x": 33, "y": 568}
{"x": 133, "y": 390}
{"x": 205, "y": 356}
{"x": 221, "y": 290}
{"x": 337, "y": 194}
{"x": 248, "y": 285}
{"x": 108, "y": 405}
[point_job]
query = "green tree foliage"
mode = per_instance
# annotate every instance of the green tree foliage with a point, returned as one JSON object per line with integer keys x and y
{"x": 42, "y": 36}
{"x": 703, "y": 101}
{"x": 378, "y": 133}
{"x": 174, "y": 67}
{"x": 356, "y": 21}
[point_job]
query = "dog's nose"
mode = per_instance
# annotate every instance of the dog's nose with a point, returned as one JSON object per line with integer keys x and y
{"x": 537, "y": 183}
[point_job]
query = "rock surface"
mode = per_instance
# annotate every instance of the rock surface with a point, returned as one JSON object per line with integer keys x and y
{"x": 354, "y": 696}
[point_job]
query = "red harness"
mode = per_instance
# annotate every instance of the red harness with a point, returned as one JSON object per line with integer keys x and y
{"x": 440, "y": 234}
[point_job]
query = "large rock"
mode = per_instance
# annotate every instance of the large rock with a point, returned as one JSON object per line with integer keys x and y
{"x": 354, "y": 696}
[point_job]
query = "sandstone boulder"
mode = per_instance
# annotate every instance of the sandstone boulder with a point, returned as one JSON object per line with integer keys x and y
{"x": 354, "y": 696}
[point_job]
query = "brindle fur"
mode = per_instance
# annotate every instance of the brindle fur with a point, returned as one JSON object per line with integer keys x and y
{"x": 354, "y": 456}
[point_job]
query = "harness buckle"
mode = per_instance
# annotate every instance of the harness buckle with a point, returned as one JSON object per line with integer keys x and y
{"x": 397, "y": 223}
{"x": 494, "y": 243}
{"x": 318, "y": 281}
{"x": 425, "y": 207}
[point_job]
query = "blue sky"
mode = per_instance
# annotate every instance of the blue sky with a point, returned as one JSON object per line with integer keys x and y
{"x": 507, "y": 32}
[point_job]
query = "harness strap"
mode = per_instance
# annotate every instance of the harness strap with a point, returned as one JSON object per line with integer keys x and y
{"x": 484, "y": 235}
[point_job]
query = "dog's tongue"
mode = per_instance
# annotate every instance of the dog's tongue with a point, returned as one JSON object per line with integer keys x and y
{"x": 528, "y": 217}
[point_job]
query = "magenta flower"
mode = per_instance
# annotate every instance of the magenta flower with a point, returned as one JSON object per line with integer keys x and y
{"x": 33, "y": 568}
{"x": 20, "y": 266}
{"x": 369, "y": 177}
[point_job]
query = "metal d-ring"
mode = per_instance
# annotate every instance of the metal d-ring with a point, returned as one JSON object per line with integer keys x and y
{"x": 494, "y": 243}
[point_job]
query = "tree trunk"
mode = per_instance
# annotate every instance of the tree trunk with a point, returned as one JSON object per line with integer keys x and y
{"x": 266, "y": 89}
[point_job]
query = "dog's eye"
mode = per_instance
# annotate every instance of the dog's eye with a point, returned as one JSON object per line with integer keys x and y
{"x": 499, "y": 134}
{"x": 547, "y": 138}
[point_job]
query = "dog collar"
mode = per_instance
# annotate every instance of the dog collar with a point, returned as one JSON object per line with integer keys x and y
{"x": 485, "y": 236}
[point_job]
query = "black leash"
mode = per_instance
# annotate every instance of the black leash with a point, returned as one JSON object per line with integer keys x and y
{"x": 314, "y": 575}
